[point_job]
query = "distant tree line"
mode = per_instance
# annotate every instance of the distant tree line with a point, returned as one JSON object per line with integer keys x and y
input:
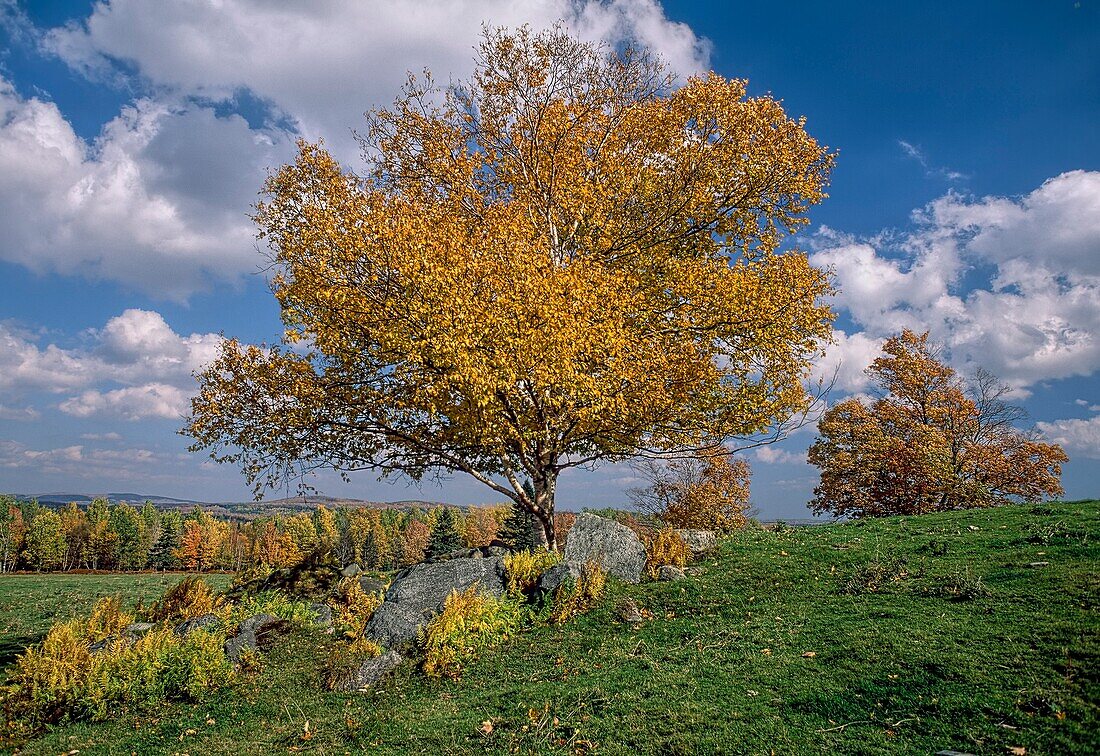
{"x": 105, "y": 536}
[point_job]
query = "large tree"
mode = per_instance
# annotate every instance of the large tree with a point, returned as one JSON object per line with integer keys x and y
{"x": 930, "y": 442}
{"x": 566, "y": 259}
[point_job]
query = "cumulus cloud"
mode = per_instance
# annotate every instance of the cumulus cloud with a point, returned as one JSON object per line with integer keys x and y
{"x": 1079, "y": 437}
{"x": 770, "y": 455}
{"x": 322, "y": 64}
{"x": 135, "y": 367}
{"x": 159, "y": 201}
{"x": 1033, "y": 316}
{"x": 132, "y": 403}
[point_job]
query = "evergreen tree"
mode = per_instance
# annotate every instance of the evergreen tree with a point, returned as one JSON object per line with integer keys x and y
{"x": 518, "y": 529}
{"x": 369, "y": 556}
{"x": 445, "y": 537}
{"x": 163, "y": 554}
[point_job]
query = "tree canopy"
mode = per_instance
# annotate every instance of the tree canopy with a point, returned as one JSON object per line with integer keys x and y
{"x": 931, "y": 442}
{"x": 566, "y": 259}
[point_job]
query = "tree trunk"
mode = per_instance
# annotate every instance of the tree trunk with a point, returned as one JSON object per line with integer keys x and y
{"x": 545, "y": 485}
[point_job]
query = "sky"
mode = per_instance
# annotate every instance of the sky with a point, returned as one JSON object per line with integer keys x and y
{"x": 134, "y": 137}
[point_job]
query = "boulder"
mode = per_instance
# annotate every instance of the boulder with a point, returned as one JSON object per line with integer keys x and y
{"x": 351, "y": 570}
{"x": 699, "y": 541}
{"x": 255, "y": 633}
{"x": 418, "y": 593}
{"x": 202, "y": 622}
{"x": 613, "y": 546}
{"x": 371, "y": 671}
{"x": 554, "y": 576}
{"x": 670, "y": 572}
{"x": 138, "y": 628}
{"x": 322, "y": 615}
{"x": 371, "y": 585}
{"x": 693, "y": 571}
{"x": 628, "y": 611}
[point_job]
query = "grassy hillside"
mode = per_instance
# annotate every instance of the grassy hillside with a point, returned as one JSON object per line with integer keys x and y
{"x": 973, "y": 631}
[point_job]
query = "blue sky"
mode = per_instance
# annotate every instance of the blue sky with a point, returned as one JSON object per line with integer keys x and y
{"x": 134, "y": 136}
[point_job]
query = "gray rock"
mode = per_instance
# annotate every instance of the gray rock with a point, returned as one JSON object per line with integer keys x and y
{"x": 613, "y": 546}
{"x": 496, "y": 551}
{"x": 371, "y": 671}
{"x": 322, "y": 615}
{"x": 699, "y": 541}
{"x": 202, "y": 622}
{"x": 670, "y": 572}
{"x": 254, "y": 633}
{"x": 351, "y": 570}
{"x": 628, "y": 611}
{"x": 459, "y": 554}
{"x": 693, "y": 571}
{"x": 418, "y": 593}
{"x": 553, "y": 577}
{"x": 138, "y": 628}
{"x": 371, "y": 585}
{"x": 110, "y": 642}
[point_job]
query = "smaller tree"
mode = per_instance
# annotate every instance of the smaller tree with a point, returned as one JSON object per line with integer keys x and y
{"x": 710, "y": 492}
{"x": 12, "y": 531}
{"x": 162, "y": 556}
{"x": 45, "y": 541}
{"x": 445, "y": 537}
{"x": 930, "y": 442}
{"x": 518, "y": 529}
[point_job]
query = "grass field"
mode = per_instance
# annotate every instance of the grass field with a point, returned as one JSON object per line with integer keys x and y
{"x": 30, "y": 603}
{"x": 973, "y": 631}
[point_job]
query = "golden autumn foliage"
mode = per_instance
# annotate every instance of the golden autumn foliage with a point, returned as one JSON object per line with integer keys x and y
{"x": 930, "y": 443}
{"x": 565, "y": 260}
{"x": 708, "y": 492}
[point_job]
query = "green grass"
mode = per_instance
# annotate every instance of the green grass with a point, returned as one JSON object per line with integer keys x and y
{"x": 724, "y": 666}
{"x": 29, "y": 604}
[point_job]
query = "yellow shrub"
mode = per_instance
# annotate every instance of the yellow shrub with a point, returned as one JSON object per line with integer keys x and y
{"x": 107, "y": 619}
{"x": 61, "y": 678}
{"x": 345, "y": 659}
{"x": 469, "y": 623}
{"x": 191, "y": 597}
{"x": 354, "y": 607}
{"x": 525, "y": 567}
{"x": 666, "y": 547}
{"x": 580, "y": 595}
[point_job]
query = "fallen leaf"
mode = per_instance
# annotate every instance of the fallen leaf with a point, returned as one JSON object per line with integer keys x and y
{"x": 766, "y": 651}
{"x": 809, "y": 654}
{"x": 1017, "y": 750}
{"x": 486, "y": 727}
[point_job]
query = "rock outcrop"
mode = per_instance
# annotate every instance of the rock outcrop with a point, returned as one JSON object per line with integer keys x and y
{"x": 614, "y": 547}
{"x": 419, "y": 592}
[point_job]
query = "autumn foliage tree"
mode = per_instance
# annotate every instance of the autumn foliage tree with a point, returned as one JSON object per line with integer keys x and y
{"x": 565, "y": 260}
{"x": 709, "y": 491}
{"x": 930, "y": 442}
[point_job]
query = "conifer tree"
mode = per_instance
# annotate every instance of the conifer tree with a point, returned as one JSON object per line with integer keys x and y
{"x": 445, "y": 537}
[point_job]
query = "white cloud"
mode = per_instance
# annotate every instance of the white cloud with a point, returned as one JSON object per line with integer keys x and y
{"x": 135, "y": 367}
{"x": 132, "y": 403}
{"x": 322, "y": 64}
{"x": 770, "y": 455}
{"x": 19, "y": 413}
{"x": 1036, "y": 316}
{"x": 846, "y": 360}
{"x": 1080, "y": 438}
{"x": 78, "y": 461}
{"x": 158, "y": 202}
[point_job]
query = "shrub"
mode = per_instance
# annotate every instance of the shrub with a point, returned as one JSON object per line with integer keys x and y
{"x": 666, "y": 547}
{"x": 61, "y": 678}
{"x": 345, "y": 659}
{"x": 191, "y": 597}
{"x": 275, "y": 603}
{"x": 107, "y": 619}
{"x": 354, "y": 607}
{"x": 469, "y": 623}
{"x": 525, "y": 567}
{"x": 874, "y": 576}
{"x": 964, "y": 586}
{"x": 578, "y": 596}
